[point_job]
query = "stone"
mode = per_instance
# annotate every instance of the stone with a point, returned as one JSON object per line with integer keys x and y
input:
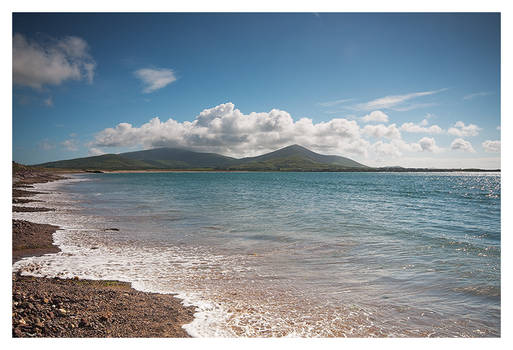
{"x": 83, "y": 322}
{"x": 61, "y": 312}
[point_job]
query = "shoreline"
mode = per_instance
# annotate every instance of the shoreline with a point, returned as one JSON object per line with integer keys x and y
{"x": 377, "y": 170}
{"x": 53, "y": 307}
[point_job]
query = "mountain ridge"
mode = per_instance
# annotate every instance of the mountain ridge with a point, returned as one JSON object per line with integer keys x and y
{"x": 290, "y": 158}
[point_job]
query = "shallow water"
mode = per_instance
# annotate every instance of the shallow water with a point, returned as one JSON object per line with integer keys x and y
{"x": 291, "y": 254}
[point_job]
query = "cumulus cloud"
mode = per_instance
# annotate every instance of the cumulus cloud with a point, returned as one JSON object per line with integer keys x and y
{"x": 380, "y": 130}
{"x": 395, "y": 101}
{"x": 50, "y": 62}
{"x": 376, "y": 116}
{"x": 386, "y": 149}
{"x": 428, "y": 144}
{"x": 70, "y": 145}
{"x": 492, "y": 146}
{"x": 226, "y": 130}
{"x": 396, "y": 147}
{"x": 461, "y": 130}
{"x": 46, "y": 145}
{"x": 421, "y": 128}
{"x": 462, "y": 145}
{"x": 155, "y": 79}
{"x": 93, "y": 151}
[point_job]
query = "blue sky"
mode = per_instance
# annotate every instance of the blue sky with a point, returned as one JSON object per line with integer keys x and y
{"x": 418, "y": 90}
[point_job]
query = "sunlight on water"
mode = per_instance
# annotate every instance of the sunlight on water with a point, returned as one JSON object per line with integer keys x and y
{"x": 290, "y": 254}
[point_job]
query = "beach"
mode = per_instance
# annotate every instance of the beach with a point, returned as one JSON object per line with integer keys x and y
{"x": 259, "y": 255}
{"x": 53, "y": 307}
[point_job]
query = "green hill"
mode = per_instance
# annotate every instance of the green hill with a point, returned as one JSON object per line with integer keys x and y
{"x": 291, "y": 158}
{"x": 103, "y": 162}
{"x": 170, "y": 158}
{"x": 300, "y": 156}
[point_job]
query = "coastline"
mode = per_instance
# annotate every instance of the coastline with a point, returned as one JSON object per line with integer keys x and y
{"x": 227, "y": 302}
{"x": 53, "y": 307}
{"x": 373, "y": 170}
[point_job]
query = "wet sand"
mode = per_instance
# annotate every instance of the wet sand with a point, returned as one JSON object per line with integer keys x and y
{"x": 51, "y": 307}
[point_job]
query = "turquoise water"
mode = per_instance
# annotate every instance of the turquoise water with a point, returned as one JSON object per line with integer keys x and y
{"x": 307, "y": 254}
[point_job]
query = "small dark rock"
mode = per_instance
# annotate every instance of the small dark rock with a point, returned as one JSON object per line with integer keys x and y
{"x": 83, "y": 323}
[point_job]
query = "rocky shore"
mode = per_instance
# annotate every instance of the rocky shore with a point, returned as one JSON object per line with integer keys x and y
{"x": 46, "y": 307}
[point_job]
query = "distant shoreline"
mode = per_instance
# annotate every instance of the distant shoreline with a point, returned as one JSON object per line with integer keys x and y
{"x": 379, "y": 170}
{"x": 293, "y": 158}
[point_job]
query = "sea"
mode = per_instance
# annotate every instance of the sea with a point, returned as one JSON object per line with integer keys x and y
{"x": 289, "y": 254}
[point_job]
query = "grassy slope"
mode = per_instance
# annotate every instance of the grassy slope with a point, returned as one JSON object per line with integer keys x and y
{"x": 103, "y": 162}
{"x": 292, "y": 158}
{"x": 302, "y": 156}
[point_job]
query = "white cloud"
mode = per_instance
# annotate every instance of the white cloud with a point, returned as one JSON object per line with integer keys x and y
{"x": 51, "y": 62}
{"x": 492, "y": 146}
{"x": 396, "y": 147}
{"x": 421, "y": 128}
{"x": 477, "y": 94}
{"x": 412, "y": 106}
{"x": 226, "y": 130}
{"x": 397, "y": 101}
{"x": 462, "y": 145}
{"x": 428, "y": 144}
{"x": 386, "y": 149}
{"x": 376, "y": 116}
{"x": 461, "y": 130}
{"x": 334, "y": 103}
{"x": 380, "y": 130}
{"x": 155, "y": 79}
{"x": 93, "y": 151}
{"x": 70, "y": 145}
{"x": 46, "y": 145}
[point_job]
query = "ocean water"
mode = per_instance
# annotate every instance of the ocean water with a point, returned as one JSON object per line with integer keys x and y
{"x": 290, "y": 254}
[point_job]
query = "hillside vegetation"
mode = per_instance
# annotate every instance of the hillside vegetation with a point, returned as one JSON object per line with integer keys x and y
{"x": 291, "y": 158}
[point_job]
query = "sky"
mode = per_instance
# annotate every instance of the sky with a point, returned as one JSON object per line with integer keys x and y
{"x": 413, "y": 90}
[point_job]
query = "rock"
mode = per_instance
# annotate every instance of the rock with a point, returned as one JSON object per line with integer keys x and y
{"x": 61, "y": 312}
{"x": 17, "y": 332}
{"x": 83, "y": 323}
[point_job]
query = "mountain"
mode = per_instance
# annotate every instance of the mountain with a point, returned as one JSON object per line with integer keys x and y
{"x": 169, "y": 158}
{"x": 103, "y": 162}
{"x": 295, "y": 154}
{"x": 291, "y": 158}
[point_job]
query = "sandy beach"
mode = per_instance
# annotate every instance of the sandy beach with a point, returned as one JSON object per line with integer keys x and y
{"x": 44, "y": 307}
